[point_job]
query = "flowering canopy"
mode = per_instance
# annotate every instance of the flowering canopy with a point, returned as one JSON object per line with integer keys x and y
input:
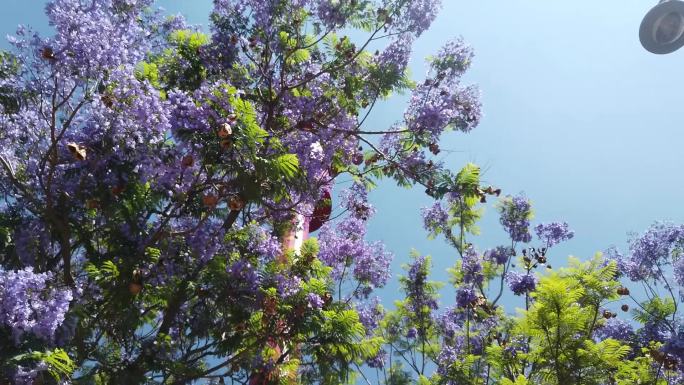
{"x": 153, "y": 177}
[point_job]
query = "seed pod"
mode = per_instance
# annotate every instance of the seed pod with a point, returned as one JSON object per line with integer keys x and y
{"x": 210, "y": 200}
{"x": 108, "y": 100}
{"x": 187, "y": 161}
{"x": 47, "y": 53}
{"x": 116, "y": 190}
{"x": 77, "y": 151}
{"x": 625, "y": 307}
{"x": 607, "y": 314}
{"x": 236, "y": 203}
{"x": 226, "y": 144}
{"x": 225, "y": 130}
{"x": 92, "y": 204}
{"x": 134, "y": 288}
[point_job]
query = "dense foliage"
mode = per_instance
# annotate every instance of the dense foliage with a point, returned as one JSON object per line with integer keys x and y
{"x": 158, "y": 182}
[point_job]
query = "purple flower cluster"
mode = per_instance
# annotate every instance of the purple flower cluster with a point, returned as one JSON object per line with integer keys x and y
{"x": 379, "y": 360}
{"x": 441, "y": 101}
{"x": 446, "y": 358}
{"x": 27, "y": 376}
{"x": 435, "y": 218}
{"x": 29, "y": 304}
{"x": 416, "y": 286}
{"x": 396, "y": 56}
{"x": 515, "y": 214}
{"x": 617, "y": 329}
{"x": 465, "y": 297}
{"x": 651, "y": 251}
{"x": 343, "y": 246}
{"x": 314, "y": 301}
{"x": 244, "y": 278}
{"x": 417, "y": 15}
{"x": 97, "y": 35}
{"x": 370, "y": 315}
{"x": 263, "y": 243}
{"x": 553, "y": 233}
{"x": 471, "y": 267}
{"x": 500, "y": 254}
{"x": 288, "y": 286}
{"x": 521, "y": 283}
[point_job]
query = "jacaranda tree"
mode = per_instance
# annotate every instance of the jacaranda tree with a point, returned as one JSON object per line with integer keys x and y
{"x": 158, "y": 182}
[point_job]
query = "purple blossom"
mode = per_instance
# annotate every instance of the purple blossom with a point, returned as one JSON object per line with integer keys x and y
{"x": 355, "y": 199}
{"x": 447, "y": 356}
{"x": 417, "y": 15}
{"x": 314, "y": 301}
{"x": 471, "y": 267}
{"x": 617, "y": 329}
{"x": 288, "y": 286}
{"x": 515, "y": 214}
{"x": 435, "y": 218}
{"x": 263, "y": 243}
{"x": 500, "y": 255}
{"x": 370, "y": 315}
{"x": 521, "y": 283}
{"x": 27, "y": 376}
{"x": 379, "y": 360}
{"x": 343, "y": 246}
{"x": 553, "y": 233}
{"x": 441, "y": 102}
{"x": 417, "y": 287}
{"x": 243, "y": 277}
{"x": 650, "y": 252}
{"x": 465, "y": 297}
{"x": 396, "y": 56}
{"x": 29, "y": 304}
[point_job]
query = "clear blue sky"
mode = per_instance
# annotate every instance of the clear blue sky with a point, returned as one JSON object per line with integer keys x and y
{"x": 577, "y": 116}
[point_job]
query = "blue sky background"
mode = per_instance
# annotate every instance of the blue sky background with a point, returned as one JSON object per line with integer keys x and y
{"x": 577, "y": 116}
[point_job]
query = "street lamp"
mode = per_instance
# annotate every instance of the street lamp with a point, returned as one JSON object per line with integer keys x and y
{"x": 662, "y": 30}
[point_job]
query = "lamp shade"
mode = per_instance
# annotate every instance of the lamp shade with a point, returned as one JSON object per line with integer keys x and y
{"x": 662, "y": 30}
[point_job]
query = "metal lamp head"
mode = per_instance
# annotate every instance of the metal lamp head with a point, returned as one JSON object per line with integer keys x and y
{"x": 662, "y": 30}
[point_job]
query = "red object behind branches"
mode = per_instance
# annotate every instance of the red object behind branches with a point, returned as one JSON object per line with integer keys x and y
{"x": 321, "y": 212}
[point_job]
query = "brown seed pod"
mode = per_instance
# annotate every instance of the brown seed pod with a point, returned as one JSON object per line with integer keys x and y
{"x": 225, "y": 130}
{"x": 210, "y": 200}
{"x": 108, "y": 100}
{"x": 625, "y": 307}
{"x": 134, "y": 288}
{"x": 47, "y": 53}
{"x": 92, "y": 204}
{"x": 77, "y": 151}
{"x": 226, "y": 144}
{"x": 607, "y": 314}
{"x": 236, "y": 203}
{"x": 187, "y": 161}
{"x": 116, "y": 190}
